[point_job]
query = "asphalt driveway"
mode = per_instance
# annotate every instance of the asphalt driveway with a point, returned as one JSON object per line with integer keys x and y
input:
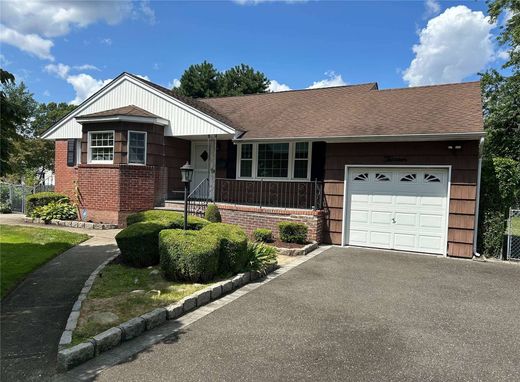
{"x": 357, "y": 315}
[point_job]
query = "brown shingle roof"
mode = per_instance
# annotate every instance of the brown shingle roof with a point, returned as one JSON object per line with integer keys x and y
{"x": 130, "y": 110}
{"x": 360, "y": 110}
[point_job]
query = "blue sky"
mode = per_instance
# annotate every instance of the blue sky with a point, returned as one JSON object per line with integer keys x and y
{"x": 65, "y": 50}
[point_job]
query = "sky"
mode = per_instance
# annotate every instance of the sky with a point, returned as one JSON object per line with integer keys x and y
{"x": 64, "y": 51}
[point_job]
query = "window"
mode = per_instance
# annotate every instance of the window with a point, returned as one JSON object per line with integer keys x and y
{"x": 363, "y": 177}
{"x": 101, "y": 147}
{"x": 136, "y": 147}
{"x": 301, "y": 160}
{"x": 382, "y": 177}
{"x": 277, "y": 160}
{"x": 246, "y": 160}
{"x": 430, "y": 178}
{"x": 71, "y": 152}
{"x": 273, "y": 160}
{"x": 409, "y": 178}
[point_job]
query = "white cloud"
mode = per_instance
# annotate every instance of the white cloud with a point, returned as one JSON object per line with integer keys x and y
{"x": 255, "y": 2}
{"x": 60, "y": 70}
{"x": 30, "y": 43}
{"x": 46, "y": 93}
{"x": 332, "y": 79}
{"x": 86, "y": 67}
{"x": 85, "y": 85}
{"x": 143, "y": 77}
{"x": 432, "y": 7}
{"x": 106, "y": 41}
{"x": 4, "y": 61}
{"x": 452, "y": 46}
{"x": 503, "y": 54}
{"x": 275, "y": 86}
{"x": 31, "y": 24}
{"x": 174, "y": 84}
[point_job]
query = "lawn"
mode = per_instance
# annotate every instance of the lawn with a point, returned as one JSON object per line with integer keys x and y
{"x": 24, "y": 249}
{"x": 515, "y": 226}
{"x": 127, "y": 292}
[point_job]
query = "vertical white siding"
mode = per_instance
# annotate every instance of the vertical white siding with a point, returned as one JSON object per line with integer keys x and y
{"x": 184, "y": 121}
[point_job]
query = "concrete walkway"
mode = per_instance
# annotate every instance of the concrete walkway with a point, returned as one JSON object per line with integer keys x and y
{"x": 35, "y": 313}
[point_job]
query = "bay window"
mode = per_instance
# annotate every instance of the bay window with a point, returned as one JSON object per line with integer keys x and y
{"x": 136, "y": 147}
{"x": 277, "y": 160}
{"x": 101, "y": 147}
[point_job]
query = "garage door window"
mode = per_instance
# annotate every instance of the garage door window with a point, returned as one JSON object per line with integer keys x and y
{"x": 382, "y": 178}
{"x": 430, "y": 178}
{"x": 361, "y": 177}
{"x": 409, "y": 178}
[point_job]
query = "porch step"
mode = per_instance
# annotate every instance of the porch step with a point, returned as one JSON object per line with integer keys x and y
{"x": 172, "y": 205}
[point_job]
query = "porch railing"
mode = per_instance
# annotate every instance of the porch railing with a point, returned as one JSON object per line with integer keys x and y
{"x": 270, "y": 193}
{"x": 198, "y": 199}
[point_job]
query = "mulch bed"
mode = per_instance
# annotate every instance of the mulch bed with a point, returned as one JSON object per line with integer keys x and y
{"x": 280, "y": 244}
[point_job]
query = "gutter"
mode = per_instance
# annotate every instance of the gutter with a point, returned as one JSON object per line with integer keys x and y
{"x": 477, "y": 201}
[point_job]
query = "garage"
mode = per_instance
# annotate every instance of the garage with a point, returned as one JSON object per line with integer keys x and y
{"x": 402, "y": 208}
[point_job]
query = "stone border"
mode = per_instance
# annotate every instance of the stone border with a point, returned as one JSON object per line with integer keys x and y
{"x": 71, "y": 223}
{"x": 72, "y": 321}
{"x": 298, "y": 251}
{"x": 69, "y": 358}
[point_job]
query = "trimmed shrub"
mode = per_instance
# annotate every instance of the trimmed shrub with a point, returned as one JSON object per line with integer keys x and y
{"x": 5, "y": 207}
{"x": 139, "y": 243}
{"x": 259, "y": 256}
{"x": 263, "y": 234}
{"x": 55, "y": 210}
{"x": 212, "y": 214}
{"x": 172, "y": 219}
{"x": 291, "y": 232}
{"x": 189, "y": 255}
{"x": 494, "y": 229}
{"x": 233, "y": 246}
{"x": 42, "y": 199}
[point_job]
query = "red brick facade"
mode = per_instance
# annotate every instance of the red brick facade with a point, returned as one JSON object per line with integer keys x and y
{"x": 65, "y": 176}
{"x": 250, "y": 217}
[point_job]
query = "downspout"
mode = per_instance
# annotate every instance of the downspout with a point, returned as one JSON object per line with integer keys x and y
{"x": 477, "y": 202}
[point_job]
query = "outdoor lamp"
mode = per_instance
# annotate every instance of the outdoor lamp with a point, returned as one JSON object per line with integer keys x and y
{"x": 186, "y": 176}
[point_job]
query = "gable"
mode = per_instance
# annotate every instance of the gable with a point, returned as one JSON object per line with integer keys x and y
{"x": 184, "y": 120}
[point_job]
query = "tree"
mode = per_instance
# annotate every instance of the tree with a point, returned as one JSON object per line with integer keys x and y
{"x": 510, "y": 30}
{"x": 242, "y": 79}
{"x": 200, "y": 81}
{"x": 204, "y": 81}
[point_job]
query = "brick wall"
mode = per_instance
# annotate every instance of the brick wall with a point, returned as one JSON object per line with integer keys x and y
{"x": 65, "y": 176}
{"x": 250, "y": 217}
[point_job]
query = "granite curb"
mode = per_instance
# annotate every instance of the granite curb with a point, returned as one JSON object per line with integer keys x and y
{"x": 71, "y": 223}
{"x": 298, "y": 251}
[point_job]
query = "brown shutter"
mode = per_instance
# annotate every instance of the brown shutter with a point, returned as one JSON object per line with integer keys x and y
{"x": 71, "y": 152}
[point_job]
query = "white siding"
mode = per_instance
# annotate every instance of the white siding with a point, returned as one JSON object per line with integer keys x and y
{"x": 184, "y": 120}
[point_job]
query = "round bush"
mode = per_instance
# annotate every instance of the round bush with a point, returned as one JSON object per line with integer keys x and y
{"x": 139, "y": 243}
{"x": 292, "y": 232}
{"x": 212, "y": 214}
{"x": 233, "y": 246}
{"x": 189, "y": 255}
{"x": 42, "y": 199}
{"x": 263, "y": 234}
{"x": 171, "y": 218}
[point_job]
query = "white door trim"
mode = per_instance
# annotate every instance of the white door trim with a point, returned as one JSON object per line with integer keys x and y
{"x": 345, "y": 199}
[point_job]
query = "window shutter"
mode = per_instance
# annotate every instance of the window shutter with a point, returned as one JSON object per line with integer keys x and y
{"x": 318, "y": 160}
{"x": 71, "y": 152}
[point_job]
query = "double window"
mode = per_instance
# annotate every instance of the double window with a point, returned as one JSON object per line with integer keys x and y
{"x": 101, "y": 147}
{"x": 280, "y": 160}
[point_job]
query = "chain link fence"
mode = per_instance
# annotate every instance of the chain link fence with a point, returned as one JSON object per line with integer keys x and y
{"x": 15, "y": 195}
{"x": 513, "y": 235}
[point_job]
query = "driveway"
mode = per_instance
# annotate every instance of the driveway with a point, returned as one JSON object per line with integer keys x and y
{"x": 351, "y": 314}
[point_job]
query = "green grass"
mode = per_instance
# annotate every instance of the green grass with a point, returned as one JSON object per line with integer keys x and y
{"x": 111, "y": 292}
{"x": 515, "y": 226}
{"x": 24, "y": 249}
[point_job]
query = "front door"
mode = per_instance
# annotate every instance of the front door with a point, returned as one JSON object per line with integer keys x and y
{"x": 200, "y": 160}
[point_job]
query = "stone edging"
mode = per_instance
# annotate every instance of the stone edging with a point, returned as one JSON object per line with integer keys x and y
{"x": 298, "y": 251}
{"x": 72, "y": 321}
{"x": 69, "y": 358}
{"x": 72, "y": 223}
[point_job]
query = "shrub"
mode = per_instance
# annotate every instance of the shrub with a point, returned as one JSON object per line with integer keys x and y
{"x": 233, "y": 246}
{"x": 259, "y": 256}
{"x": 493, "y": 226}
{"x": 42, "y": 199}
{"x": 55, "y": 210}
{"x": 212, "y": 214}
{"x": 263, "y": 234}
{"x": 5, "y": 207}
{"x": 172, "y": 219}
{"x": 291, "y": 232}
{"x": 189, "y": 255}
{"x": 139, "y": 243}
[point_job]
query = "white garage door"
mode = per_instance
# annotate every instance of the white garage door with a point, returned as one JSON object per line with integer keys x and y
{"x": 397, "y": 208}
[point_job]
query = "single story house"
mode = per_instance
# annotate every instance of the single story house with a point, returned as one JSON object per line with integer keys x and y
{"x": 395, "y": 169}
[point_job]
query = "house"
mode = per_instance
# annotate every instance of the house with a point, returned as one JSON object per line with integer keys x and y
{"x": 396, "y": 169}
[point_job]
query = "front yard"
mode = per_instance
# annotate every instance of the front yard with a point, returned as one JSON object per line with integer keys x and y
{"x": 24, "y": 249}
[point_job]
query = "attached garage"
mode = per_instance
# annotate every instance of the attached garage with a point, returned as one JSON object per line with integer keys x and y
{"x": 402, "y": 208}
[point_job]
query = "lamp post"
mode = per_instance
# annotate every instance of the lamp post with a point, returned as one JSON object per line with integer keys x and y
{"x": 186, "y": 175}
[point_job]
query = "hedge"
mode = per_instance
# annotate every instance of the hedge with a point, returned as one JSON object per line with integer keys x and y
{"x": 42, "y": 199}
{"x": 212, "y": 214}
{"x": 233, "y": 246}
{"x": 139, "y": 243}
{"x": 172, "y": 219}
{"x": 263, "y": 234}
{"x": 292, "y": 232}
{"x": 189, "y": 255}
